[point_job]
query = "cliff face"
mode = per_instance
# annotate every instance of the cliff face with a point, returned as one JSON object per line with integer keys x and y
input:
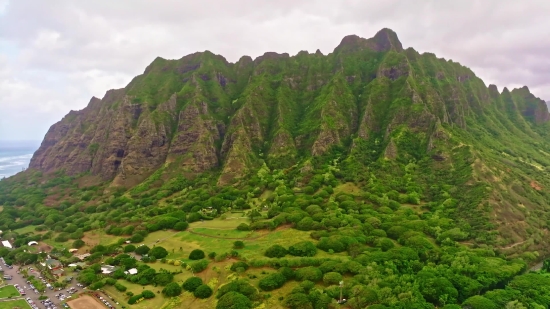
{"x": 200, "y": 112}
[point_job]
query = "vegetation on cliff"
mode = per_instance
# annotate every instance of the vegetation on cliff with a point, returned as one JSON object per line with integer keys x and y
{"x": 399, "y": 173}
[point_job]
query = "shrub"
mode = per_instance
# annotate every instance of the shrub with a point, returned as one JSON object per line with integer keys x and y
{"x": 79, "y": 243}
{"x": 110, "y": 281}
{"x": 120, "y": 287}
{"x": 309, "y": 273}
{"x": 181, "y": 226}
{"x": 241, "y": 286}
{"x": 287, "y": 272}
{"x": 238, "y": 244}
{"x": 303, "y": 248}
{"x": 148, "y": 294}
{"x": 239, "y": 264}
{"x": 199, "y": 266}
{"x": 276, "y": 251}
{"x": 129, "y": 248}
{"x": 212, "y": 255}
{"x": 196, "y": 254}
{"x": 134, "y": 299}
{"x": 203, "y": 291}
{"x": 243, "y": 227}
{"x": 332, "y": 278}
{"x": 192, "y": 284}
{"x": 272, "y": 282}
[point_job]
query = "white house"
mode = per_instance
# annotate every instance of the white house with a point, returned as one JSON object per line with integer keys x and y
{"x": 32, "y": 242}
{"x": 131, "y": 271}
{"x": 6, "y": 244}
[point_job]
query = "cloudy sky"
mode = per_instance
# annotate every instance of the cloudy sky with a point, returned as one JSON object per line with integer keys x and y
{"x": 56, "y": 54}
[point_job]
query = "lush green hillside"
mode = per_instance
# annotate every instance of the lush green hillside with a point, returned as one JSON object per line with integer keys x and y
{"x": 401, "y": 174}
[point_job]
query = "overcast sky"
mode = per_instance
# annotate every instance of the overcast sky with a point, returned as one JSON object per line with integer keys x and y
{"x": 56, "y": 54}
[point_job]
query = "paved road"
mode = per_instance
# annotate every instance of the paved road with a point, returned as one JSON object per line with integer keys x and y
{"x": 18, "y": 279}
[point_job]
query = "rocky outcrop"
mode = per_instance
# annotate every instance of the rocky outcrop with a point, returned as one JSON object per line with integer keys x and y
{"x": 201, "y": 112}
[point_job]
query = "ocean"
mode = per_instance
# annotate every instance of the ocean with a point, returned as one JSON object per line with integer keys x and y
{"x": 15, "y": 156}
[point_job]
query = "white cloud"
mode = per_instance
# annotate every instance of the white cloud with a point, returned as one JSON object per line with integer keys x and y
{"x": 56, "y": 54}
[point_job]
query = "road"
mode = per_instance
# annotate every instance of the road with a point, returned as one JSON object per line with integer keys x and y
{"x": 18, "y": 279}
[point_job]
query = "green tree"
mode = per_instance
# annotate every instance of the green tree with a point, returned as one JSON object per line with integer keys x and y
{"x": 234, "y": 300}
{"x": 303, "y": 248}
{"x": 276, "y": 251}
{"x": 158, "y": 252}
{"x": 142, "y": 250}
{"x": 191, "y": 284}
{"x": 238, "y": 244}
{"x": 203, "y": 291}
{"x": 196, "y": 254}
{"x": 331, "y": 278}
{"x": 129, "y": 248}
{"x": 148, "y": 294}
{"x": 79, "y": 243}
{"x": 172, "y": 289}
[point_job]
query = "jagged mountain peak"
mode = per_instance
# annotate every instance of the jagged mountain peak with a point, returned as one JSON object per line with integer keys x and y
{"x": 384, "y": 40}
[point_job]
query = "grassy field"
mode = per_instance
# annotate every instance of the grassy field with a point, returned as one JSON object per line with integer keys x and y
{"x": 21, "y": 303}
{"x": 180, "y": 244}
{"x": 136, "y": 289}
{"x": 8, "y": 290}
{"x": 26, "y": 229}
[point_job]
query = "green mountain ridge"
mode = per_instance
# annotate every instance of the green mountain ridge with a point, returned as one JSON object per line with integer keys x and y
{"x": 201, "y": 113}
{"x": 373, "y": 141}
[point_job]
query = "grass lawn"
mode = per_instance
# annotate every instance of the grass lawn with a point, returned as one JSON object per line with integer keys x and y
{"x": 180, "y": 244}
{"x": 26, "y": 229}
{"x": 21, "y": 303}
{"x": 122, "y": 299}
{"x": 8, "y": 290}
{"x": 231, "y": 222}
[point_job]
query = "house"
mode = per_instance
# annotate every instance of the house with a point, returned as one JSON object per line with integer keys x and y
{"x": 6, "y": 244}
{"x": 108, "y": 269}
{"x": 131, "y": 271}
{"x": 73, "y": 250}
{"x": 53, "y": 264}
{"x": 32, "y": 242}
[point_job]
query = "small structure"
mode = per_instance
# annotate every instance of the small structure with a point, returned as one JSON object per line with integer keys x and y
{"x": 57, "y": 272}
{"x": 131, "y": 271}
{"x": 53, "y": 264}
{"x": 73, "y": 250}
{"x": 32, "y": 242}
{"x": 108, "y": 269}
{"x": 83, "y": 256}
{"x": 7, "y": 244}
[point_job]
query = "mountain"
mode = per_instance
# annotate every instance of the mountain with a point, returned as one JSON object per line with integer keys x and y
{"x": 375, "y": 145}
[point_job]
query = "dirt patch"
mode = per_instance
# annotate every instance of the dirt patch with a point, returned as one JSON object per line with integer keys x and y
{"x": 85, "y": 302}
{"x": 535, "y": 185}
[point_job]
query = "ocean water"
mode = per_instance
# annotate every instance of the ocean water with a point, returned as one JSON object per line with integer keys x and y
{"x": 15, "y": 156}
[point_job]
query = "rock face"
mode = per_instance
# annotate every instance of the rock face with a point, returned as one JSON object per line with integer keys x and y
{"x": 202, "y": 113}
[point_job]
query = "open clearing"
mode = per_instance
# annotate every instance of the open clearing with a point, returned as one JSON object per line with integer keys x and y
{"x": 85, "y": 302}
{"x": 21, "y": 303}
{"x": 9, "y": 290}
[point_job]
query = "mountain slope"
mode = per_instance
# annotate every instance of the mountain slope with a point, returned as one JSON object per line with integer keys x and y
{"x": 399, "y": 173}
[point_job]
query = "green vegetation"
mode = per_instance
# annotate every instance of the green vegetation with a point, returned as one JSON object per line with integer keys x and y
{"x": 21, "y": 303}
{"x": 399, "y": 174}
{"x": 8, "y": 291}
